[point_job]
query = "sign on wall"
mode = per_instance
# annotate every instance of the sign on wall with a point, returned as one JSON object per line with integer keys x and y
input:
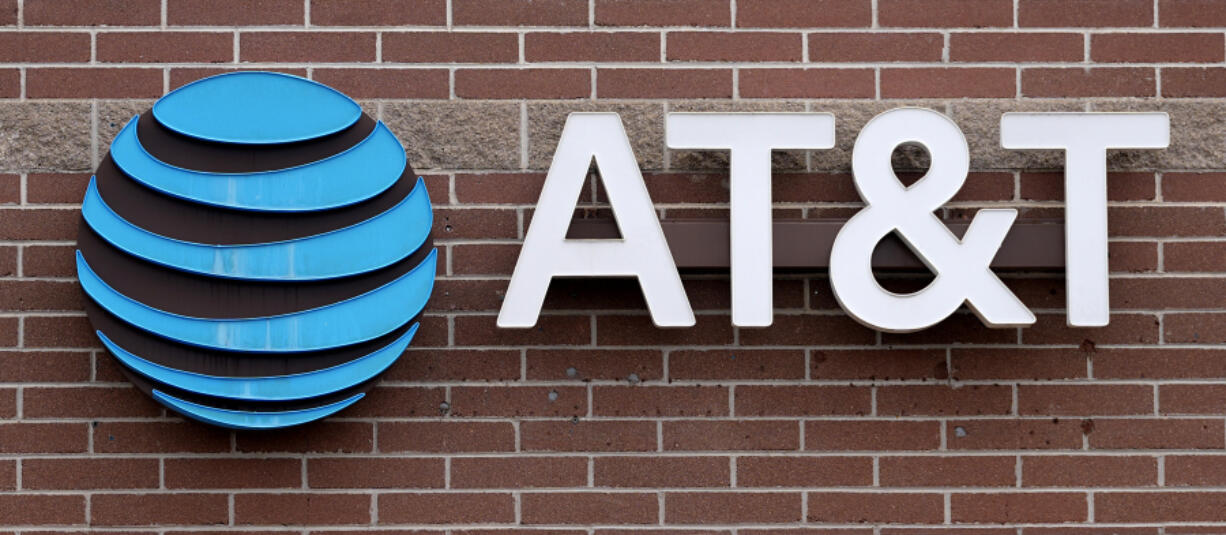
{"x": 961, "y": 265}
{"x": 256, "y": 250}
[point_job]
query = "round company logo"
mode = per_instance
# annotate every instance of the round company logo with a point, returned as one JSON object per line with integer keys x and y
{"x": 256, "y": 250}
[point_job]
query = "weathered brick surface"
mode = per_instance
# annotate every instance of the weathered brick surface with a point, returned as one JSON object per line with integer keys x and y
{"x": 596, "y": 422}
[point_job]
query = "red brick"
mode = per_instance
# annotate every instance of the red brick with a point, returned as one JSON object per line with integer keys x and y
{"x": 589, "y": 508}
{"x": 324, "y": 47}
{"x": 8, "y": 475}
{"x": 390, "y": 401}
{"x": 451, "y": 508}
{"x": 93, "y": 82}
{"x": 977, "y": 471}
{"x": 878, "y": 364}
{"x": 1084, "y": 400}
{"x": 81, "y": 474}
{"x": 39, "y": 509}
{"x": 56, "y": 188}
{"x": 1172, "y": 293}
{"x": 44, "y": 366}
{"x": 843, "y": 435}
{"x": 1041, "y": 186}
{"x": 803, "y": 13}
{"x": 734, "y": 46}
{"x": 1193, "y": 187}
{"x": 165, "y": 47}
{"x": 477, "y": 223}
{"x": 1089, "y": 471}
{"x": 658, "y": 401}
{"x": 234, "y": 12}
{"x": 446, "y": 436}
{"x": 731, "y": 508}
{"x": 781, "y": 400}
{"x": 1157, "y": 48}
{"x": 1160, "y": 506}
{"x": 182, "y": 76}
{"x": 945, "y": 13}
{"x": 1194, "y": 13}
{"x": 1016, "y": 47}
{"x": 1195, "y": 470}
{"x": 385, "y": 83}
{"x": 221, "y": 473}
{"x": 874, "y": 47}
{"x": 1014, "y": 434}
{"x": 807, "y": 329}
{"x": 1157, "y": 434}
{"x": 1192, "y": 399}
{"x": 1088, "y": 13}
{"x": 660, "y": 472}
{"x": 1020, "y": 363}
{"x": 1184, "y": 82}
{"x": 537, "y": 13}
{"x": 1019, "y": 507}
{"x": 1159, "y": 363}
{"x": 498, "y": 188}
{"x": 523, "y": 83}
{"x": 38, "y": 224}
{"x": 10, "y": 83}
{"x": 1164, "y": 221}
{"x": 9, "y": 328}
{"x": 318, "y": 437}
{"x": 932, "y": 400}
{"x": 92, "y": 12}
{"x": 664, "y": 83}
{"x": 804, "y": 471}
{"x": 88, "y": 402}
{"x": 8, "y": 12}
{"x": 588, "y": 435}
{"x": 159, "y": 437}
{"x": 973, "y": 82}
{"x": 519, "y": 401}
{"x": 455, "y": 365}
{"x": 595, "y": 364}
{"x": 741, "y": 435}
{"x": 314, "y": 508}
{"x": 158, "y": 509}
{"x": 663, "y": 13}
{"x": 379, "y": 13}
{"x": 366, "y": 473}
{"x": 447, "y": 47}
{"x": 856, "y": 507}
{"x": 518, "y": 472}
{"x": 48, "y": 261}
{"x": 43, "y": 438}
{"x": 806, "y": 83}
{"x": 44, "y": 47}
{"x": 549, "y": 330}
{"x": 1091, "y": 82}
{"x": 639, "y": 330}
{"x": 1185, "y": 256}
{"x": 1194, "y": 328}
{"x": 604, "y": 47}
{"x": 747, "y": 364}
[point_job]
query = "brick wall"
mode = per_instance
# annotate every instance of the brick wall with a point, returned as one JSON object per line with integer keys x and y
{"x": 595, "y": 422}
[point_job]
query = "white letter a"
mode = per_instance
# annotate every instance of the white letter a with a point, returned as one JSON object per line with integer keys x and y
{"x": 641, "y": 251}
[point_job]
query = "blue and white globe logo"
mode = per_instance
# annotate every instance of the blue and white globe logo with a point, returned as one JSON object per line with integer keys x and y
{"x": 256, "y": 250}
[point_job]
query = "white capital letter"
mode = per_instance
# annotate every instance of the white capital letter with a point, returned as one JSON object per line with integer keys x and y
{"x": 962, "y": 267}
{"x": 750, "y": 137}
{"x": 640, "y": 252}
{"x": 1085, "y": 138}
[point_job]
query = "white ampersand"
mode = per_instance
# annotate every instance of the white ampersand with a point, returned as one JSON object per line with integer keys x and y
{"x": 961, "y": 266}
